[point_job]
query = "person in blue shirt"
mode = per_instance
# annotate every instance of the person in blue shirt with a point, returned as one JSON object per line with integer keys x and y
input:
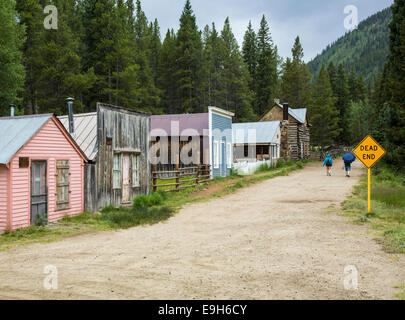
{"x": 328, "y": 163}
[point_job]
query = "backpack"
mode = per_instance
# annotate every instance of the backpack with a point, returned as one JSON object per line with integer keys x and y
{"x": 328, "y": 163}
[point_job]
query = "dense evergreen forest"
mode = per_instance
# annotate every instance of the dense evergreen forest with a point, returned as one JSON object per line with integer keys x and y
{"x": 364, "y": 50}
{"x": 108, "y": 51}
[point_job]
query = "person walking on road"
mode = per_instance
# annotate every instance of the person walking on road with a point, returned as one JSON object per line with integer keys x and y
{"x": 348, "y": 159}
{"x": 328, "y": 163}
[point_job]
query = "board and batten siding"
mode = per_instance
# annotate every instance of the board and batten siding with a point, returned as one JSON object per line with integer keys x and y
{"x": 3, "y": 196}
{"x": 120, "y": 131}
{"x": 49, "y": 144}
{"x": 221, "y": 127}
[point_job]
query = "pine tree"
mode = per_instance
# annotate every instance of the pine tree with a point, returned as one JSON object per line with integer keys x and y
{"x": 357, "y": 87}
{"x": 250, "y": 53}
{"x": 125, "y": 83}
{"x": 155, "y": 46}
{"x": 341, "y": 94}
{"x": 31, "y": 18}
{"x": 101, "y": 39}
{"x": 358, "y": 122}
{"x": 267, "y": 70}
{"x": 149, "y": 96}
{"x": 296, "y": 86}
{"x": 234, "y": 77}
{"x": 59, "y": 66}
{"x": 166, "y": 71}
{"x": 396, "y": 85}
{"x": 212, "y": 63}
{"x": 188, "y": 62}
{"x": 332, "y": 76}
{"x": 323, "y": 114}
{"x": 11, "y": 70}
{"x": 380, "y": 118}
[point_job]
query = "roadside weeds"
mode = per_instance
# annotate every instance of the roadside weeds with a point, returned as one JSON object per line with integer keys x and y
{"x": 387, "y": 219}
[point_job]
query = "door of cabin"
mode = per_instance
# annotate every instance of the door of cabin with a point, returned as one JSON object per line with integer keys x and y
{"x": 39, "y": 191}
{"x": 126, "y": 161}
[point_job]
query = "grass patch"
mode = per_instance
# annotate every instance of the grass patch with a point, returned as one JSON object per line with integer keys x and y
{"x": 387, "y": 218}
{"x": 400, "y": 295}
{"x": 146, "y": 209}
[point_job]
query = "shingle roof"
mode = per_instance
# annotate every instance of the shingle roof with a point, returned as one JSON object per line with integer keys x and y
{"x": 254, "y": 132}
{"x": 196, "y": 121}
{"x": 85, "y": 125}
{"x": 15, "y": 132}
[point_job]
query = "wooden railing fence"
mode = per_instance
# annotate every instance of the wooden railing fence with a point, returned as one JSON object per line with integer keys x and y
{"x": 199, "y": 173}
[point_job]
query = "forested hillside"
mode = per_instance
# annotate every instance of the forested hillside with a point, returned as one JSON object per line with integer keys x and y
{"x": 365, "y": 49}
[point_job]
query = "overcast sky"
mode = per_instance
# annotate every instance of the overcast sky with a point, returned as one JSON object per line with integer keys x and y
{"x": 317, "y": 22}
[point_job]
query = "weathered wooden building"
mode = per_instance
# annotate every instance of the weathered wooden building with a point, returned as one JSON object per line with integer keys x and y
{"x": 41, "y": 171}
{"x": 203, "y": 138}
{"x": 295, "y": 130}
{"x": 116, "y": 141}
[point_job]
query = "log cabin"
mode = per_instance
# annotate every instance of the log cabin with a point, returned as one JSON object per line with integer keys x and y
{"x": 295, "y": 130}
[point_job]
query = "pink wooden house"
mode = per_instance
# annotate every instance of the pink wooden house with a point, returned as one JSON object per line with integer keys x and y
{"x": 41, "y": 171}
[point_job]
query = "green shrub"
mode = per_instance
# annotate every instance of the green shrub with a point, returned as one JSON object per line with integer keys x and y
{"x": 394, "y": 197}
{"x": 234, "y": 173}
{"x": 42, "y": 219}
{"x": 127, "y": 218}
{"x": 384, "y": 175}
{"x": 299, "y": 165}
{"x": 24, "y": 232}
{"x": 280, "y": 163}
{"x": 262, "y": 168}
{"x": 108, "y": 209}
{"x": 146, "y": 201}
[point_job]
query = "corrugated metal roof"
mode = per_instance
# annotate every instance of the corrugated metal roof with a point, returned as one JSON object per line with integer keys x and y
{"x": 254, "y": 132}
{"x": 298, "y": 114}
{"x": 85, "y": 132}
{"x": 15, "y": 132}
{"x": 195, "y": 121}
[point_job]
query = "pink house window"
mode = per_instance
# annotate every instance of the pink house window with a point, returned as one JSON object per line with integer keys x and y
{"x": 62, "y": 184}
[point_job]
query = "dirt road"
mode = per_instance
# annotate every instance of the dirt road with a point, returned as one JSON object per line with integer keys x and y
{"x": 273, "y": 240}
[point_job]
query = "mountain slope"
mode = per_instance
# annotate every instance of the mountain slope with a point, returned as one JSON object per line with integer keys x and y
{"x": 364, "y": 49}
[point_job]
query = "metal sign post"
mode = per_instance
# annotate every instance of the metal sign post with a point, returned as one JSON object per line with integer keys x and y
{"x": 369, "y": 152}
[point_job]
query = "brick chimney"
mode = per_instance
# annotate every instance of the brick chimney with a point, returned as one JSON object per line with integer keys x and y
{"x": 285, "y": 112}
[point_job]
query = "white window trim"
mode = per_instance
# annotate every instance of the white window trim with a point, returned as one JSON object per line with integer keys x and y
{"x": 135, "y": 182}
{"x": 119, "y": 155}
{"x": 216, "y": 154}
{"x": 229, "y": 155}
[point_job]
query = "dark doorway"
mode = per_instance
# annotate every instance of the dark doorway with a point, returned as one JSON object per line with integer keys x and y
{"x": 39, "y": 191}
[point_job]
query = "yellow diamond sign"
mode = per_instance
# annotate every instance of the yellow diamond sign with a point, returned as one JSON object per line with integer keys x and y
{"x": 369, "y": 152}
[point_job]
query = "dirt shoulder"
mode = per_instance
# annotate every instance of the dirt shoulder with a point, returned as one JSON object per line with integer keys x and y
{"x": 272, "y": 240}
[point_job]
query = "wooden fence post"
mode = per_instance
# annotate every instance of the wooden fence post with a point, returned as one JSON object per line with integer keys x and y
{"x": 177, "y": 173}
{"x": 154, "y": 175}
{"x": 198, "y": 168}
